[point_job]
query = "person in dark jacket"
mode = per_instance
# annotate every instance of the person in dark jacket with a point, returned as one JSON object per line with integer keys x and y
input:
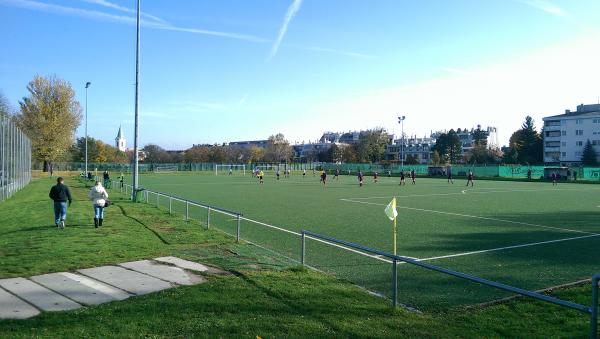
{"x": 61, "y": 195}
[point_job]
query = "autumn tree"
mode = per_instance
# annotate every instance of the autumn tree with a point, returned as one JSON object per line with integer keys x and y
{"x": 278, "y": 149}
{"x": 49, "y": 116}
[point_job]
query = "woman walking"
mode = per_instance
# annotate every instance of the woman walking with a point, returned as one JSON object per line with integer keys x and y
{"x": 98, "y": 196}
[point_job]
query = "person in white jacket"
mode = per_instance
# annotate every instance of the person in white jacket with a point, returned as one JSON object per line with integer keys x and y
{"x": 98, "y": 197}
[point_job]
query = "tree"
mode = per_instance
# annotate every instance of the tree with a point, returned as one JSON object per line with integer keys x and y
{"x": 336, "y": 153}
{"x": 78, "y": 150}
{"x": 5, "y": 109}
{"x": 256, "y": 154}
{"x": 589, "y": 156}
{"x": 528, "y": 143}
{"x": 372, "y": 144}
{"x": 349, "y": 154}
{"x": 480, "y": 154}
{"x": 448, "y": 146}
{"x": 197, "y": 154}
{"x": 278, "y": 149}
{"x": 49, "y": 116}
{"x": 435, "y": 158}
{"x": 480, "y": 137}
{"x": 155, "y": 154}
{"x": 411, "y": 160}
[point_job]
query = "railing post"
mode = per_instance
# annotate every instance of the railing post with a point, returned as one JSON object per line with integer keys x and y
{"x": 303, "y": 249}
{"x": 208, "y": 218}
{"x": 157, "y": 200}
{"x": 170, "y": 205}
{"x": 187, "y": 210}
{"x": 594, "y": 317}
{"x": 395, "y": 282}
{"x": 239, "y": 221}
{"x": 146, "y": 197}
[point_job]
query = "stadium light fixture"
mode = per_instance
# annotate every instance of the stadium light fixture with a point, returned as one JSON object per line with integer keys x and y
{"x": 87, "y": 85}
{"x": 401, "y": 122}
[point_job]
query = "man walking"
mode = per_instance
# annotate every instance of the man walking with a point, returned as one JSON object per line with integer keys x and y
{"x": 60, "y": 194}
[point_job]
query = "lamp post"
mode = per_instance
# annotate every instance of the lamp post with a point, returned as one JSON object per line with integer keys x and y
{"x": 401, "y": 122}
{"x": 87, "y": 85}
{"x": 137, "y": 85}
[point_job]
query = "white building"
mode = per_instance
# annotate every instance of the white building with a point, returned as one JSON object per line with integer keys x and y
{"x": 120, "y": 141}
{"x": 565, "y": 135}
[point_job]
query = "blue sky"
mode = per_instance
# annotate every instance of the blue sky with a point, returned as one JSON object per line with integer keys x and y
{"x": 219, "y": 71}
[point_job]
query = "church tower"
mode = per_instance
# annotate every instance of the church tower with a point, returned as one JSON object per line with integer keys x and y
{"x": 120, "y": 141}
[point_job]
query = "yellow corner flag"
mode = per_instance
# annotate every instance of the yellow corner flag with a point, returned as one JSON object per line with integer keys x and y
{"x": 390, "y": 210}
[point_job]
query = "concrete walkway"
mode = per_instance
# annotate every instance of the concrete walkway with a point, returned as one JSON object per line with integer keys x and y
{"x": 22, "y": 298}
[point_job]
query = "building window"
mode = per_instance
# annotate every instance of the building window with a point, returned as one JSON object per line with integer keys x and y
{"x": 578, "y": 121}
{"x": 563, "y": 133}
{"x": 578, "y": 154}
{"x": 597, "y": 121}
{"x": 579, "y": 143}
{"x": 564, "y": 154}
{"x": 564, "y": 144}
{"x": 579, "y": 132}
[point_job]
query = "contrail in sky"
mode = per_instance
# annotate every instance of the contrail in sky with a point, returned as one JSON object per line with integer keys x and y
{"x": 289, "y": 15}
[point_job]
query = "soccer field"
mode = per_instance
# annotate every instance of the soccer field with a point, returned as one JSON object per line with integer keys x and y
{"x": 530, "y": 235}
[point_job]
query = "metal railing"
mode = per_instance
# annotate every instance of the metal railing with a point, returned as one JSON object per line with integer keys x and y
{"x": 592, "y": 310}
{"x": 275, "y": 244}
{"x": 15, "y": 158}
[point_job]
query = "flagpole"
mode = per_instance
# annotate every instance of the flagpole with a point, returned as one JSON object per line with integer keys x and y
{"x": 395, "y": 232}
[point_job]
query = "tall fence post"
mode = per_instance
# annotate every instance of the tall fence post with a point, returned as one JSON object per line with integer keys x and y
{"x": 395, "y": 282}
{"x": 208, "y": 218}
{"x": 303, "y": 249}
{"x": 239, "y": 221}
{"x": 187, "y": 210}
{"x": 146, "y": 197}
{"x": 594, "y": 317}
{"x": 157, "y": 200}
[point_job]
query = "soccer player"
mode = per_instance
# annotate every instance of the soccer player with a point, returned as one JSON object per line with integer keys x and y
{"x": 360, "y": 178}
{"x": 337, "y": 174}
{"x": 303, "y": 173}
{"x": 450, "y": 175}
{"x": 553, "y": 176}
{"x": 470, "y": 178}
{"x": 261, "y": 175}
{"x": 277, "y": 174}
{"x": 230, "y": 171}
{"x": 402, "y": 182}
{"x": 287, "y": 173}
{"x": 314, "y": 172}
{"x": 413, "y": 176}
{"x": 529, "y": 174}
{"x": 323, "y": 177}
{"x": 389, "y": 174}
{"x": 375, "y": 176}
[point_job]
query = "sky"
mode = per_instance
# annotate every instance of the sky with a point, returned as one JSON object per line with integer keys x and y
{"x": 230, "y": 70}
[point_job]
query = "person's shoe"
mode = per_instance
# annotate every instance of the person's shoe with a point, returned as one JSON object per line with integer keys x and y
{"x": 100, "y": 222}
{"x": 62, "y": 224}
{"x": 96, "y": 222}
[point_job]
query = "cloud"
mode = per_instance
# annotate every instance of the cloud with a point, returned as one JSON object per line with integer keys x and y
{"x": 98, "y": 15}
{"x": 545, "y": 6}
{"x": 334, "y": 51}
{"x": 289, "y": 15}
{"x": 124, "y": 9}
{"x": 542, "y": 83}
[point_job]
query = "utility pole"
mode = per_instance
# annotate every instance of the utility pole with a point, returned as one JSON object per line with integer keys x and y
{"x": 401, "y": 122}
{"x": 137, "y": 99}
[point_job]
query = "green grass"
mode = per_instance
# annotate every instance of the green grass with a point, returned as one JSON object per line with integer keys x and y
{"x": 436, "y": 219}
{"x": 266, "y": 296}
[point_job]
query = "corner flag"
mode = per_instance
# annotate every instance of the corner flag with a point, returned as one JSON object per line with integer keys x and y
{"x": 390, "y": 210}
{"x": 391, "y": 213}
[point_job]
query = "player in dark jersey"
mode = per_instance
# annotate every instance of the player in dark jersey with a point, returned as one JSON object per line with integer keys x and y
{"x": 402, "y": 182}
{"x": 277, "y": 174}
{"x": 553, "y": 176}
{"x": 337, "y": 174}
{"x": 470, "y": 178}
{"x": 375, "y": 176}
{"x": 323, "y": 177}
{"x": 413, "y": 176}
{"x": 450, "y": 175}
{"x": 360, "y": 178}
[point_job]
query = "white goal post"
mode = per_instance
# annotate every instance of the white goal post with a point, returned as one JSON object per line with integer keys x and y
{"x": 224, "y": 169}
{"x": 165, "y": 169}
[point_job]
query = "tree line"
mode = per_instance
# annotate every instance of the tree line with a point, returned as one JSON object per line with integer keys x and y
{"x": 50, "y": 115}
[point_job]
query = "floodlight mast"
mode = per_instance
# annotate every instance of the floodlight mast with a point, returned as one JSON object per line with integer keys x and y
{"x": 401, "y": 122}
{"x": 137, "y": 88}
{"x": 87, "y": 85}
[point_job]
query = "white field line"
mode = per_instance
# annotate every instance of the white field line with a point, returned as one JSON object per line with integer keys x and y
{"x": 473, "y": 216}
{"x": 271, "y": 226}
{"x": 509, "y": 247}
{"x": 351, "y": 249}
{"x": 468, "y": 192}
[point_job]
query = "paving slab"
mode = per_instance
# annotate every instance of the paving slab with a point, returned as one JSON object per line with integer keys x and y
{"x": 12, "y": 307}
{"x": 79, "y": 288}
{"x": 192, "y": 266}
{"x": 164, "y": 272}
{"x": 37, "y": 295}
{"x": 127, "y": 280}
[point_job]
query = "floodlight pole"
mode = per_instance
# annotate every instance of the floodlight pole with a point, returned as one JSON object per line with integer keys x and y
{"x": 137, "y": 88}
{"x": 87, "y": 85}
{"x": 401, "y": 122}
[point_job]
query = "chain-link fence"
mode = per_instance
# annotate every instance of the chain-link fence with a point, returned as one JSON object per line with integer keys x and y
{"x": 15, "y": 158}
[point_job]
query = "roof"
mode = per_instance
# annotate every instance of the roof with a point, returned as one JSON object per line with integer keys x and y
{"x": 120, "y": 134}
{"x": 582, "y": 111}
